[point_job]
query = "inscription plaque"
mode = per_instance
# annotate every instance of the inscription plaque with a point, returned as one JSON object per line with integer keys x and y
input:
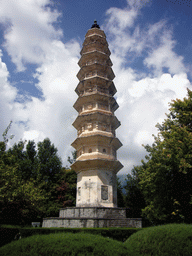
{"x": 104, "y": 192}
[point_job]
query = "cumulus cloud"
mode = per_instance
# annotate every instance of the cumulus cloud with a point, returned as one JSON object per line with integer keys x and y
{"x": 142, "y": 95}
{"x": 165, "y": 57}
{"x": 29, "y": 30}
{"x": 37, "y": 42}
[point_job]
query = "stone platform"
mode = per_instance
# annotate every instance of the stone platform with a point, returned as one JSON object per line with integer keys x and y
{"x": 92, "y": 217}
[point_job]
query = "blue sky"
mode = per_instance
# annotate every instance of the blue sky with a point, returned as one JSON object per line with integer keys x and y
{"x": 40, "y": 43}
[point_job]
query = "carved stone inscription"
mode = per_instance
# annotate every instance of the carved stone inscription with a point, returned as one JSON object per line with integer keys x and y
{"x": 104, "y": 192}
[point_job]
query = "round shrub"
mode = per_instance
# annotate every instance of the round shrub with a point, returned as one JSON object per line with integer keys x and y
{"x": 165, "y": 240}
{"x": 64, "y": 244}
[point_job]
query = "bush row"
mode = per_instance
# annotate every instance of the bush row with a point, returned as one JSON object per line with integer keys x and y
{"x": 8, "y": 234}
{"x": 165, "y": 240}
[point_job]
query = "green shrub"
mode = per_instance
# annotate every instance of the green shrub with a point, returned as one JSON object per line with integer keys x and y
{"x": 166, "y": 240}
{"x": 64, "y": 244}
{"x": 7, "y": 235}
{"x": 119, "y": 234}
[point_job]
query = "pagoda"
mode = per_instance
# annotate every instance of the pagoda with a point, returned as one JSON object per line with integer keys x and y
{"x": 96, "y": 144}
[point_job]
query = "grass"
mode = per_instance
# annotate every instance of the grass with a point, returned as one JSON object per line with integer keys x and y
{"x": 165, "y": 240}
{"x": 64, "y": 244}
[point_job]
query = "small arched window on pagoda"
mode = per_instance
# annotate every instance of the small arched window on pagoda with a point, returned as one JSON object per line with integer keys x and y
{"x": 104, "y": 150}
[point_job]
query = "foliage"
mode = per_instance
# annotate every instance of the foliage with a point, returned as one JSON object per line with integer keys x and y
{"x": 120, "y": 195}
{"x": 74, "y": 156}
{"x": 67, "y": 188}
{"x": 165, "y": 180}
{"x": 134, "y": 199}
{"x": 119, "y": 234}
{"x": 7, "y": 235}
{"x": 30, "y": 178}
{"x": 64, "y": 244}
{"x": 171, "y": 239}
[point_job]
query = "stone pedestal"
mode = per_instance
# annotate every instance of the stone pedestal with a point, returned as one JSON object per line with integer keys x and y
{"x": 92, "y": 217}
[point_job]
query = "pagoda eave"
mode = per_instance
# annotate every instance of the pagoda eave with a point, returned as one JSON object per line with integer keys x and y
{"x": 97, "y": 139}
{"x": 96, "y": 96}
{"x": 100, "y": 117}
{"x": 105, "y": 164}
{"x": 87, "y": 57}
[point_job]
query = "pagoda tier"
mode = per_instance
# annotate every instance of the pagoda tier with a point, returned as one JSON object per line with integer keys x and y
{"x": 97, "y": 101}
{"x": 95, "y": 84}
{"x": 96, "y": 144}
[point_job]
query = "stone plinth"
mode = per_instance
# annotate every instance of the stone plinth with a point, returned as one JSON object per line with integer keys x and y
{"x": 92, "y": 217}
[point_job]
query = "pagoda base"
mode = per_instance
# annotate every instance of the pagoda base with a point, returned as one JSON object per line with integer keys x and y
{"x": 92, "y": 217}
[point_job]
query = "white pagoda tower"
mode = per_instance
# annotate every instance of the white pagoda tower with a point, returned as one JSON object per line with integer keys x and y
{"x": 96, "y": 144}
{"x": 96, "y": 164}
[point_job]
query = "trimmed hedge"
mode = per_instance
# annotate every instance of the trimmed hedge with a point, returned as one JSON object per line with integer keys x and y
{"x": 165, "y": 240}
{"x": 119, "y": 234}
{"x": 64, "y": 244}
{"x": 7, "y": 235}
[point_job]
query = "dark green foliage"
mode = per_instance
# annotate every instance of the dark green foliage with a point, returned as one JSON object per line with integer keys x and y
{"x": 119, "y": 234}
{"x": 49, "y": 162}
{"x": 33, "y": 183}
{"x": 167, "y": 240}
{"x": 74, "y": 156}
{"x": 7, "y": 235}
{"x": 166, "y": 177}
{"x": 64, "y": 244}
{"x": 134, "y": 199}
{"x": 120, "y": 195}
{"x": 67, "y": 188}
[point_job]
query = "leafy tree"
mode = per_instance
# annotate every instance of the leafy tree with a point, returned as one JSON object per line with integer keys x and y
{"x": 20, "y": 199}
{"x": 74, "y": 156}
{"x": 49, "y": 162}
{"x": 134, "y": 199}
{"x": 120, "y": 195}
{"x": 67, "y": 188}
{"x": 166, "y": 178}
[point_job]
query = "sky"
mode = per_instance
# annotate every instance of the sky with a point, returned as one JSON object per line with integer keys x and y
{"x": 40, "y": 42}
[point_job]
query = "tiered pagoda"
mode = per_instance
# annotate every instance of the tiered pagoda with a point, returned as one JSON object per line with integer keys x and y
{"x": 96, "y": 143}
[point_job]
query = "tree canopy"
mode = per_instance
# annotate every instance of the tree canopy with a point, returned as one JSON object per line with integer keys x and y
{"x": 166, "y": 176}
{"x": 33, "y": 183}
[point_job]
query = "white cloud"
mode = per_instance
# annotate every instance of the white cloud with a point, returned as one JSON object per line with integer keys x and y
{"x": 29, "y": 30}
{"x": 143, "y": 98}
{"x": 8, "y": 106}
{"x": 53, "y": 115}
{"x": 165, "y": 57}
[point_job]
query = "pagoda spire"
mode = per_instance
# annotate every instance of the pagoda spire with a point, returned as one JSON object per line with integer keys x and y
{"x": 96, "y": 143}
{"x": 95, "y": 25}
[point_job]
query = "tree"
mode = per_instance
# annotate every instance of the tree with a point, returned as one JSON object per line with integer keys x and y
{"x": 166, "y": 178}
{"x": 134, "y": 199}
{"x": 49, "y": 162}
{"x": 28, "y": 180}
{"x": 20, "y": 198}
{"x": 74, "y": 156}
{"x": 67, "y": 188}
{"x": 120, "y": 195}
{"x": 33, "y": 183}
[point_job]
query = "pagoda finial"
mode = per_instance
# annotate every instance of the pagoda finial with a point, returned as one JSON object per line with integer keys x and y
{"x": 95, "y": 25}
